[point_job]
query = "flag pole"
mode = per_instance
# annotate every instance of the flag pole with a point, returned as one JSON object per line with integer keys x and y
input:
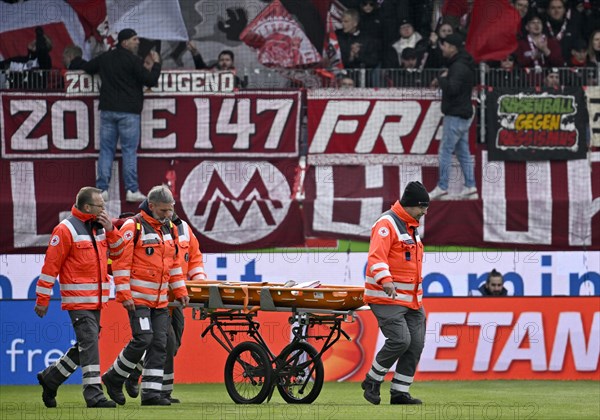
{"x": 482, "y": 97}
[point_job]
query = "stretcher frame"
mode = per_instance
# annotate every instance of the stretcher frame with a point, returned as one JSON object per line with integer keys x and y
{"x": 252, "y": 370}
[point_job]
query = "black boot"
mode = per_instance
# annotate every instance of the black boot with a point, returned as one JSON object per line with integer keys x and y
{"x": 102, "y": 403}
{"x": 371, "y": 388}
{"x": 48, "y": 395}
{"x": 403, "y": 398}
{"x": 132, "y": 386}
{"x": 114, "y": 390}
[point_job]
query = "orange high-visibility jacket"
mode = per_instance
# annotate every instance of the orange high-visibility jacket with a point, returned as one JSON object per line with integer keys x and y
{"x": 149, "y": 265}
{"x": 81, "y": 268}
{"x": 190, "y": 256}
{"x": 395, "y": 255}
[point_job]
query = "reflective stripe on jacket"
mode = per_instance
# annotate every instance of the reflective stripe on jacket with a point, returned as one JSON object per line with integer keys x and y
{"x": 149, "y": 265}
{"x": 80, "y": 266}
{"x": 395, "y": 255}
{"x": 190, "y": 256}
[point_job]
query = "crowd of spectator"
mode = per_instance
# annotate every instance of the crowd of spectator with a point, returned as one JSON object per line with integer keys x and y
{"x": 398, "y": 43}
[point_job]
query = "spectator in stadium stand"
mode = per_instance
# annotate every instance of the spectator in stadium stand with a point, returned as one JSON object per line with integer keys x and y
{"x": 123, "y": 77}
{"x": 433, "y": 59}
{"x": 590, "y": 12}
{"x": 370, "y": 21}
{"x": 150, "y": 265}
{"x": 77, "y": 255}
{"x": 494, "y": 285}
{"x": 358, "y": 50}
{"x": 457, "y": 83}
{"x": 522, "y": 7}
{"x": 565, "y": 26}
{"x": 552, "y": 80}
{"x": 192, "y": 264}
{"x": 537, "y": 49}
{"x": 409, "y": 38}
{"x": 505, "y": 73}
{"x": 579, "y": 54}
{"x": 72, "y": 58}
{"x": 346, "y": 82}
{"x": 393, "y": 291}
{"x": 594, "y": 48}
{"x": 409, "y": 74}
{"x": 24, "y": 74}
{"x": 225, "y": 62}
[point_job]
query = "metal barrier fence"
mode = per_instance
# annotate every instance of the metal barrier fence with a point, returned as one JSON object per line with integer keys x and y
{"x": 261, "y": 78}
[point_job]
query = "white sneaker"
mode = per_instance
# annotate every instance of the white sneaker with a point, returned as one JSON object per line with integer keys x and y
{"x": 134, "y": 197}
{"x": 469, "y": 194}
{"x": 104, "y": 195}
{"x": 437, "y": 193}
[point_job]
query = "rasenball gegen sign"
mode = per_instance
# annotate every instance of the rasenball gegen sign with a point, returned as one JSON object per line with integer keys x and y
{"x": 536, "y": 126}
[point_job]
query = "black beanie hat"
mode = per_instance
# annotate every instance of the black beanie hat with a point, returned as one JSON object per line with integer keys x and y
{"x": 126, "y": 34}
{"x": 415, "y": 195}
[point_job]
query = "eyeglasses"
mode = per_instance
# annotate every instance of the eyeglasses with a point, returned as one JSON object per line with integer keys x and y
{"x": 424, "y": 204}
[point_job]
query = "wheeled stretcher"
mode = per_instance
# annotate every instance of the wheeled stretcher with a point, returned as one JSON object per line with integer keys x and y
{"x": 252, "y": 371}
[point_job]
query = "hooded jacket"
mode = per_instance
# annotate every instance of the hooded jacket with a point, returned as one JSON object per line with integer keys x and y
{"x": 458, "y": 85}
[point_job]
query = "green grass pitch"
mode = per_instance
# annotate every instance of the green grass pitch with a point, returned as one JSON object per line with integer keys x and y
{"x": 451, "y": 400}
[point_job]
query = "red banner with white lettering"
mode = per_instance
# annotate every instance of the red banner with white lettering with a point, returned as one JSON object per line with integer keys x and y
{"x": 376, "y": 126}
{"x": 230, "y": 204}
{"x": 244, "y": 124}
{"x": 366, "y": 145}
{"x": 553, "y": 338}
{"x": 232, "y": 164}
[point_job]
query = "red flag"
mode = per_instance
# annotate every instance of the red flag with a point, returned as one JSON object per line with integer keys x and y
{"x": 279, "y": 39}
{"x": 493, "y": 30}
{"x": 455, "y": 8}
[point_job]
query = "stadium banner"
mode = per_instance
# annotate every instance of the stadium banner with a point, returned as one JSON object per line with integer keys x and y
{"x": 362, "y": 126}
{"x": 593, "y": 97}
{"x": 552, "y": 338}
{"x": 446, "y": 273}
{"x": 526, "y": 126}
{"x": 252, "y": 124}
{"x": 230, "y": 204}
{"x": 539, "y": 205}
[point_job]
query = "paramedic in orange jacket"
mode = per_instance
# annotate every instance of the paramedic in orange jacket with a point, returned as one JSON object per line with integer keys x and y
{"x": 78, "y": 254}
{"x": 148, "y": 267}
{"x": 192, "y": 265}
{"x": 394, "y": 292}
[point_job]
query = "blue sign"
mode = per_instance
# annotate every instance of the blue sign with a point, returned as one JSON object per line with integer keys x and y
{"x": 28, "y": 343}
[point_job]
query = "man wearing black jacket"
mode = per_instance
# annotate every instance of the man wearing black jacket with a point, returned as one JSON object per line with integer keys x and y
{"x": 123, "y": 77}
{"x": 457, "y": 84}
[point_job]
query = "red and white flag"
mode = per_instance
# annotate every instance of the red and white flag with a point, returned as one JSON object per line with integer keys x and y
{"x": 493, "y": 30}
{"x": 331, "y": 47}
{"x": 19, "y": 20}
{"x": 93, "y": 17}
{"x": 279, "y": 39}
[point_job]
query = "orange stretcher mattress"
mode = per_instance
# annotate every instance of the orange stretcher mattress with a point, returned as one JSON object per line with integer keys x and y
{"x": 269, "y": 296}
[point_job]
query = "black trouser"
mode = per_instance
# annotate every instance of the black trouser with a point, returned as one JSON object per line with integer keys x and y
{"x": 173, "y": 343}
{"x": 84, "y": 353}
{"x": 149, "y": 334}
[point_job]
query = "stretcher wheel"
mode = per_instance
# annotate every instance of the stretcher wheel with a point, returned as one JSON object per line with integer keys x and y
{"x": 300, "y": 373}
{"x": 248, "y": 373}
